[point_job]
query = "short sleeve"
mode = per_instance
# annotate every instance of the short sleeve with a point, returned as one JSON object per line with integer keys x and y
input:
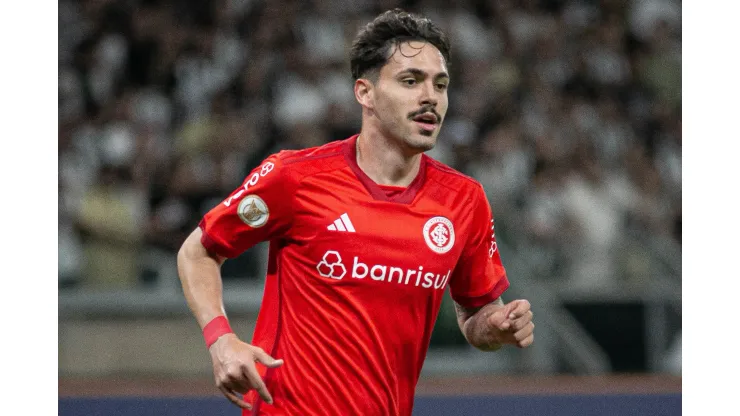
{"x": 259, "y": 210}
{"x": 479, "y": 277}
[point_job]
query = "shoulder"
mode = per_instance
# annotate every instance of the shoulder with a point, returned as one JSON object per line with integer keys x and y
{"x": 312, "y": 154}
{"x": 448, "y": 177}
{"x": 294, "y": 165}
{"x": 312, "y": 160}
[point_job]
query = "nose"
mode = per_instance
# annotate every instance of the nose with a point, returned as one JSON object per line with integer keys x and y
{"x": 428, "y": 95}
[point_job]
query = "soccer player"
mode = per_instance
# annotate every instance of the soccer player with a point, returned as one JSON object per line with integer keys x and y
{"x": 365, "y": 234}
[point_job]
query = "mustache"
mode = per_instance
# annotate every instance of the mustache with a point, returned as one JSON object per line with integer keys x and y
{"x": 425, "y": 109}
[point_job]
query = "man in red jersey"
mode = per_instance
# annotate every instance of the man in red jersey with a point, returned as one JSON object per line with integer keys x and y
{"x": 365, "y": 235}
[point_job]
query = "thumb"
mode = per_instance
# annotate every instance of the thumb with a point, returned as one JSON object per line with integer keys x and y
{"x": 267, "y": 360}
{"x": 518, "y": 308}
{"x": 499, "y": 318}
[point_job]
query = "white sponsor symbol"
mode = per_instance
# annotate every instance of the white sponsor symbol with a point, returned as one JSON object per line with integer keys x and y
{"x": 439, "y": 234}
{"x": 234, "y": 197}
{"x": 494, "y": 246}
{"x": 342, "y": 224}
{"x": 264, "y": 170}
{"x": 331, "y": 265}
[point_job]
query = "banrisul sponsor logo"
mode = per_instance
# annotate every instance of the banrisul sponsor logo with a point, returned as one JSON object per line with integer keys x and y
{"x": 382, "y": 273}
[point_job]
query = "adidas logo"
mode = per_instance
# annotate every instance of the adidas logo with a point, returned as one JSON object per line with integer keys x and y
{"x": 342, "y": 224}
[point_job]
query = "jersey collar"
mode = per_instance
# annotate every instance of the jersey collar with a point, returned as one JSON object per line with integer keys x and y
{"x": 405, "y": 197}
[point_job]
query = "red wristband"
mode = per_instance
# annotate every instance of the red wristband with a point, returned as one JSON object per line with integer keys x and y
{"x": 214, "y": 329}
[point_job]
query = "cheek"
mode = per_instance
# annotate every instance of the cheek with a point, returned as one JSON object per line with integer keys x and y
{"x": 392, "y": 108}
{"x": 442, "y": 107}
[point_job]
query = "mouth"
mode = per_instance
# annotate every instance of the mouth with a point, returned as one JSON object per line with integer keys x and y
{"x": 427, "y": 121}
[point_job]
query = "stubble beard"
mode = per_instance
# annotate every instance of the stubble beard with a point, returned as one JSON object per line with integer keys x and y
{"x": 422, "y": 145}
{"x": 426, "y": 142}
{"x": 412, "y": 139}
{"x": 411, "y": 136}
{"x": 428, "y": 139}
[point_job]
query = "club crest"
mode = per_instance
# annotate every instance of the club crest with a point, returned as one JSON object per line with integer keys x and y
{"x": 439, "y": 234}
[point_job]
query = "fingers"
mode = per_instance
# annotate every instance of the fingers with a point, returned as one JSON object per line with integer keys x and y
{"x": 261, "y": 356}
{"x": 250, "y": 371}
{"x": 257, "y": 383}
{"x": 498, "y": 318}
{"x": 237, "y": 383}
{"x": 525, "y": 336}
{"x": 519, "y": 308}
{"x": 235, "y": 398}
{"x": 520, "y": 322}
{"x": 526, "y": 342}
{"x": 514, "y": 321}
{"x": 235, "y": 371}
{"x": 247, "y": 378}
{"x": 513, "y": 316}
{"x": 500, "y": 321}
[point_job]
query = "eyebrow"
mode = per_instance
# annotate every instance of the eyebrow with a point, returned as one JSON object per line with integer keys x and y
{"x": 419, "y": 72}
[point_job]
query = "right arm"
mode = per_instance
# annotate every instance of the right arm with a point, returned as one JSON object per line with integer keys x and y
{"x": 258, "y": 210}
{"x": 233, "y": 360}
{"x": 200, "y": 275}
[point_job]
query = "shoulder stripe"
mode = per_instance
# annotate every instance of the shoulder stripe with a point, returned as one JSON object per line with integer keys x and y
{"x": 446, "y": 169}
{"x": 328, "y": 150}
{"x": 304, "y": 158}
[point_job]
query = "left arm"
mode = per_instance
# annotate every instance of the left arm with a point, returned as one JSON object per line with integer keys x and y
{"x": 489, "y": 327}
{"x": 477, "y": 283}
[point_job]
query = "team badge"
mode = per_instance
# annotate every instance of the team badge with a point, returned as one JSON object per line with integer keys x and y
{"x": 439, "y": 234}
{"x": 253, "y": 211}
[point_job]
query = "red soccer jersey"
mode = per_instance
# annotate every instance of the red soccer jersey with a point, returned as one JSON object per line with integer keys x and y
{"x": 355, "y": 277}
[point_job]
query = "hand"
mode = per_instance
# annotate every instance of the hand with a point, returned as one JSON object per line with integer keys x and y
{"x": 513, "y": 322}
{"x": 234, "y": 369}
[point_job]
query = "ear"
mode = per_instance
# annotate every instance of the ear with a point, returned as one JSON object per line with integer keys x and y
{"x": 364, "y": 92}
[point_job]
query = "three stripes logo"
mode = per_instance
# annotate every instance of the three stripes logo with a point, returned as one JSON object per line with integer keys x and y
{"x": 342, "y": 224}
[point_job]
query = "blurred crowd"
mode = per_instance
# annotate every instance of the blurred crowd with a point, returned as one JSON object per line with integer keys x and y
{"x": 567, "y": 111}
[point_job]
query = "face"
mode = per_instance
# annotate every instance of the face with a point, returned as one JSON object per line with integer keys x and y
{"x": 409, "y": 99}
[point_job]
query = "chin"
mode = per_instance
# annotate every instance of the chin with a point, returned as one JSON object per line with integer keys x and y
{"x": 422, "y": 142}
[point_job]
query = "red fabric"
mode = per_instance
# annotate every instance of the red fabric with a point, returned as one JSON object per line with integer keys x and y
{"x": 376, "y": 191}
{"x": 392, "y": 192}
{"x": 352, "y": 313}
{"x": 214, "y": 329}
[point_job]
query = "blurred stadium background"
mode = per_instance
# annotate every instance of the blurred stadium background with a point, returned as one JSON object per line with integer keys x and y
{"x": 568, "y": 112}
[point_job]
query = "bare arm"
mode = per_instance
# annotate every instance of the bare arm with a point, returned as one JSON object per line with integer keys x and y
{"x": 472, "y": 324}
{"x": 233, "y": 360}
{"x": 200, "y": 275}
{"x": 489, "y": 327}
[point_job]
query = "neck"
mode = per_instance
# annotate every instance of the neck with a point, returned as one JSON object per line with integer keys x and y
{"x": 386, "y": 161}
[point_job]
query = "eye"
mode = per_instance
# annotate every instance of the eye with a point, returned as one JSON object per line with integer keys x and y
{"x": 442, "y": 86}
{"x": 409, "y": 81}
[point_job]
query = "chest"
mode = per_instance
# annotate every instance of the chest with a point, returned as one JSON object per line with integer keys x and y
{"x": 346, "y": 238}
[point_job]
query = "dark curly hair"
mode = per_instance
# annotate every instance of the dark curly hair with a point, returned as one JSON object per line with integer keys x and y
{"x": 373, "y": 45}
